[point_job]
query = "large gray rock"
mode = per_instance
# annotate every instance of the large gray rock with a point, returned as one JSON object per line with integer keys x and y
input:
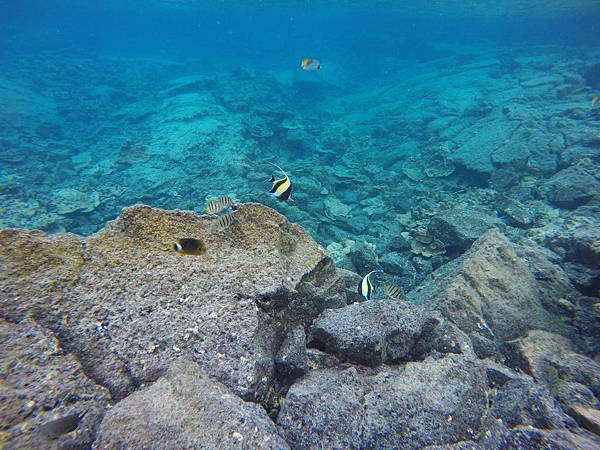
{"x": 126, "y": 304}
{"x": 39, "y": 383}
{"x": 185, "y": 409}
{"x": 491, "y": 293}
{"x": 431, "y": 402}
{"x": 385, "y": 331}
{"x": 572, "y": 187}
{"x": 458, "y": 228}
{"x": 523, "y": 402}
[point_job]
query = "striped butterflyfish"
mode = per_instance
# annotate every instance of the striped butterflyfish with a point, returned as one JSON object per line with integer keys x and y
{"x": 394, "y": 291}
{"x": 189, "y": 246}
{"x": 282, "y": 187}
{"x": 218, "y": 204}
{"x": 365, "y": 287}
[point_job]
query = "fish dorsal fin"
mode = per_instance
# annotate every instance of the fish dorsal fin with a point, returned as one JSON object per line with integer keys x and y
{"x": 282, "y": 171}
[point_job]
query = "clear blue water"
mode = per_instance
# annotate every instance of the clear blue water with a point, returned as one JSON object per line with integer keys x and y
{"x": 108, "y": 104}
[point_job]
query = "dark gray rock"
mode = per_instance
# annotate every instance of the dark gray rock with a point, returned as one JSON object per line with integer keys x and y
{"x": 393, "y": 263}
{"x": 499, "y": 374}
{"x": 370, "y": 332}
{"x": 39, "y": 384}
{"x": 516, "y": 212}
{"x": 502, "y": 179}
{"x": 498, "y": 436}
{"x": 290, "y": 361}
{"x": 433, "y": 402}
{"x": 399, "y": 244}
{"x": 572, "y": 187}
{"x": 363, "y": 258}
{"x": 578, "y": 368}
{"x": 523, "y": 402}
{"x": 185, "y": 409}
{"x": 458, "y": 228}
{"x": 491, "y": 292}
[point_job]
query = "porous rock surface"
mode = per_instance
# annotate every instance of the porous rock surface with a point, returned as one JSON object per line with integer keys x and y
{"x": 186, "y": 409}
{"x": 432, "y": 402}
{"x": 126, "y": 304}
{"x": 39, "y": 383}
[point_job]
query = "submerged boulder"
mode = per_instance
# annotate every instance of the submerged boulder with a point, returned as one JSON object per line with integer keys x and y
{"x": 126, "y": 304}
{"x": 491, "y": 294}
{"x": 186, "y": 409}
{"x": 419, "y": 404}
{"x": 458, "y": 228}
{"x": 572, "y": 187}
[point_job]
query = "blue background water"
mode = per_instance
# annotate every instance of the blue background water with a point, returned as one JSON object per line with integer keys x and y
{"x": 109, "y": 103}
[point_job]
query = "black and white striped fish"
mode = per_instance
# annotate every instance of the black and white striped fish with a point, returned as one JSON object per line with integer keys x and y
{"x": 218, "y": 204}
{"x": 282, "y": 187}
{"x": 225, "y": 221}
{"x": 394, "y": 291}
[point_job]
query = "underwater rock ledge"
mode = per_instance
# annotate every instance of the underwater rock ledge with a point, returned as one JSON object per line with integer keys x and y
{"x": 164, "y": 349}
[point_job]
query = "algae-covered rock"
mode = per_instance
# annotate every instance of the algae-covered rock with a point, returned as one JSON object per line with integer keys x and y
{"x": 69, "y": 200}
{"x": 41, "y": 383}
{"x": 412, "y": 406}
{"x": 126, "y": 304}
{"x": 186, "y": 409}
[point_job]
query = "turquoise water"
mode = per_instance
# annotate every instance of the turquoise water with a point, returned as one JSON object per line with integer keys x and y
{"x": 415, "y": 110}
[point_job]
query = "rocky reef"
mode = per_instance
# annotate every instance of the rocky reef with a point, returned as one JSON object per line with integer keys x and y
{"x": 262, "y": 342}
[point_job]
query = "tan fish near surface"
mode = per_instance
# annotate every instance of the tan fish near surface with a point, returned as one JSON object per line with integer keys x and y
{"x": 595, "y": 100}
{"x": 218, "y": 204}
{"x": 189, "y": 246}
{"x": 394, "y": 291}
{"x": 225, "y": 221}
{"x": 310, "y": 64}
{"x": 63, "y": 425}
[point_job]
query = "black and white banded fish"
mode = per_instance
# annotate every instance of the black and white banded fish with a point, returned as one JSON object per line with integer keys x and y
{"x": 394, "y": 291}
{"x": 282, "y": 187}
{"x": 218, "y": 204}
{"x": 225, "y": 221}
{"x": 365, "y": 287}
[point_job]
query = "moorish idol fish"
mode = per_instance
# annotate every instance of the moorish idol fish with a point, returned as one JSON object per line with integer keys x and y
{"x": 218, "y": 204}
{"x": 190, "y": 246}
{"x": 365, "y": 288}
{"x": 282, "y": 187}
{"x": 310, "y": 64}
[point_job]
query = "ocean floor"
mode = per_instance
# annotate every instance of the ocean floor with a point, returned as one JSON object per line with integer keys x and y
{"x": 399, "y": 169}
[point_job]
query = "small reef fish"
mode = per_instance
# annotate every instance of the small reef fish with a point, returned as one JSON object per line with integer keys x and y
{"x": 365, "y": 287}
{"x": 190, "y": 246}
{"x": 282, "y": 187}
{"x": 310, "y": 64}
{"x": 394, "y": 291}
{"x": 60, "y": 426}
{"x": 225, "y": 221}
{"x": 595, "y": 100}
{"x": 218, "y": 204}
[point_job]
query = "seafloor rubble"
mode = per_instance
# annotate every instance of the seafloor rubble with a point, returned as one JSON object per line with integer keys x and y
{"x": 261, "y": 343}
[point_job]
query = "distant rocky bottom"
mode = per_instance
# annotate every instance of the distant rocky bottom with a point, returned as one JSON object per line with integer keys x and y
{"x": 262, "y": 342}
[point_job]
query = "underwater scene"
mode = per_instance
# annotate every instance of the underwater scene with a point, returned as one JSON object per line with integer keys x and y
{"x": 300, "y": 224}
